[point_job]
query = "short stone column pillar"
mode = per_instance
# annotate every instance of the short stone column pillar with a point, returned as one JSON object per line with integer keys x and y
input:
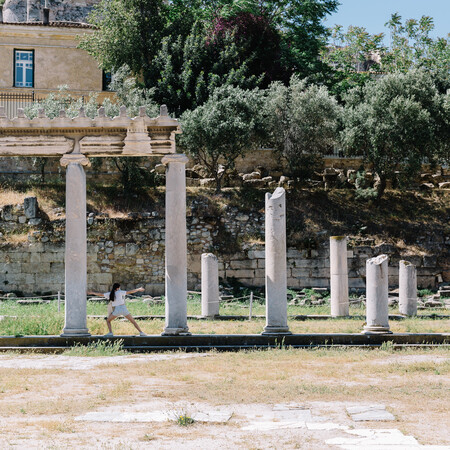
{"x": 339, "y": 276}
{"x": 276, "y": 276}
{"x": 176, "y": 245}
{"x": 377, "y": 289}
{"x": 76, "y": 246}
{"x": 407, "y": 297}
{"x": 210, "y": 285}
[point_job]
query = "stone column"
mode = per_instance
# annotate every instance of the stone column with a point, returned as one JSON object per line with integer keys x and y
{"x": 377, "y": 312}
{"x": 76, "y": 245}
{"x": 338, "y": 276}
{"x": 276, "y": 276}
{"x": 210, "y": 285}
{"x": 176, "y": 246}
{"x": 407, "y": 289}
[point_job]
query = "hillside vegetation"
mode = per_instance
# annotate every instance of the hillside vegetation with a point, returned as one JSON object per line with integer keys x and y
{"x": 402, "y": 218}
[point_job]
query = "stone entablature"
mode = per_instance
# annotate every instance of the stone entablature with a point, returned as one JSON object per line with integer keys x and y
{"x": 139, "y": 136}
{"x": 101, "y": 136}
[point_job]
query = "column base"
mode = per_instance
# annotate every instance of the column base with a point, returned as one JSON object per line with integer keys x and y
{"x": 344, "y": 313}
{"x": 376, "y": 329}
{"x": 75, "y": 332}
{"x": 275, "y": 330}
{"x": 210, "y": 317}
{"x": 176, "y": 332}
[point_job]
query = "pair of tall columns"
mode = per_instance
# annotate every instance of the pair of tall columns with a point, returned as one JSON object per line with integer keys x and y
{"x": 76, "y": 245}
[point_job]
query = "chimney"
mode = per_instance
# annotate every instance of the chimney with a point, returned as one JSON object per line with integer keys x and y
{"x": 34, "y": 8}
{"x": 46, "y": 16}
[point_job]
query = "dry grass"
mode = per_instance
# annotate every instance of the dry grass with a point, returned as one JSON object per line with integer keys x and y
{"x": 413, "y": 385}
{"x": 10, "y": 197}
{"x": 17, "y": 239}
{"x": 399, "y": 218}
{"x": 255, "y": 326}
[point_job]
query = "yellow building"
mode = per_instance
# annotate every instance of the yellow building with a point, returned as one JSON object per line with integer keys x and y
{"x": 35, "y": 59}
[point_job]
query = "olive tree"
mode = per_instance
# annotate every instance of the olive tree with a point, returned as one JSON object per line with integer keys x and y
{"x": 225, "y": 127}
{"x": 395, "y": 123}
{"x": 304, "y": 123}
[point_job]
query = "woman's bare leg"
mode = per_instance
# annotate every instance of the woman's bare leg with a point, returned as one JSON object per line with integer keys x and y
{"x": 108, "y": 322}
{"x": 130, "y": 318}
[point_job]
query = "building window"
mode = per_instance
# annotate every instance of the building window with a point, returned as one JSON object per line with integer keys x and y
{"x": 107, "y": 78}
{"x": 24, "y": 68}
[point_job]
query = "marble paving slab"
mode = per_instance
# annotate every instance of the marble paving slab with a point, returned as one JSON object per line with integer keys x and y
{"x": 374, "y": 439}
{"x": 374, "y": 412}
{"x": 82, "y": 362}
{"x": 270, "y": 425}
{"x": 154, "y": 416}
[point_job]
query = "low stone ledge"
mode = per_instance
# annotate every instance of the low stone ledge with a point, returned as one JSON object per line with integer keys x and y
{"x": 227, "y": 342}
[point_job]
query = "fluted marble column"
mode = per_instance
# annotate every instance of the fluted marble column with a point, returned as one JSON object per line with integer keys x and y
{"x": 76, "y": 245}
{"x": 276, "y": 274}
{"x": 377, "y": 289}
{"x": 210, "y": 285}
{"x": 339, "y": 276}
{"x": 407, "y": 296}
{"x": 176, "y": 246}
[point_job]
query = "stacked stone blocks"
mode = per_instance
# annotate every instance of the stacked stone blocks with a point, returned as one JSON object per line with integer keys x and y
{"x": 132, "y": 251}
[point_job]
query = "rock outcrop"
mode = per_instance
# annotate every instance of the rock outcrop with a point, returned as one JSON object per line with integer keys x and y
{"x": 21, "y": 11}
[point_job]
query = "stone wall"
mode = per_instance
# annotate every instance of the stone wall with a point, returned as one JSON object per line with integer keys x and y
{"x": 60, "y": 10}
{"x": 131, "y": 251}
{"x": 55, "y": 47}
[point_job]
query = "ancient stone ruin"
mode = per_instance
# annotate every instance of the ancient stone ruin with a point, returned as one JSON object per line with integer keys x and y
{"x": 31, "y": 11}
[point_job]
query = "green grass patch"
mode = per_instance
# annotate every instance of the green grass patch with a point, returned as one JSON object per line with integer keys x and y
{"x": 45, "y": 319}
{"x": 99, "y": 348}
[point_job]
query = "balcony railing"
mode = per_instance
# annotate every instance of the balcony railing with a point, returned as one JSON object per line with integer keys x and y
{"x": 12, "y": 101}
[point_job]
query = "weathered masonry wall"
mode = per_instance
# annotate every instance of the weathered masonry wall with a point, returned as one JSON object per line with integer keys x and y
{"x": 131, "y": 251}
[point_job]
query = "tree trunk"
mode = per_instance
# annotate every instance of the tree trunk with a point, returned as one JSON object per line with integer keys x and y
{"x": 218, "y": 184}
{"x": 382, "y": 186}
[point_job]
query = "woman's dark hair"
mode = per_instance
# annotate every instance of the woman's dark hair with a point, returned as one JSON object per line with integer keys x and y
{"x": 112, "y": 294}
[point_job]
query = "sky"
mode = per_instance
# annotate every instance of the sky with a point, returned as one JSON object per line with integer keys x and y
{"x": 373, "y": 14}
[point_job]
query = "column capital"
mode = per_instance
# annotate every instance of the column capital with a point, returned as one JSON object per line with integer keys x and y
{"x": 74, "y": 158}
{"x": 175, "y": 158}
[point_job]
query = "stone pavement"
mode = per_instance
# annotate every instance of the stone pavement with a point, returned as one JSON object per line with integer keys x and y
{"x": 262, "y": 418}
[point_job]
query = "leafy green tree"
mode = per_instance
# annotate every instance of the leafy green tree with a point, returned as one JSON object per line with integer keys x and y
{"x": 395, "y": 123}
{"x": 186, "y": 48}
{"x": 354, "y": 50}
{"x": 129, "y": 33}
{"x": 412, "y": 46}
{"x": 187, "y": 70}
{"x": 304, "y": 123}
{"x": 354, "y": 55}
{"x": 230, "y": 123}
